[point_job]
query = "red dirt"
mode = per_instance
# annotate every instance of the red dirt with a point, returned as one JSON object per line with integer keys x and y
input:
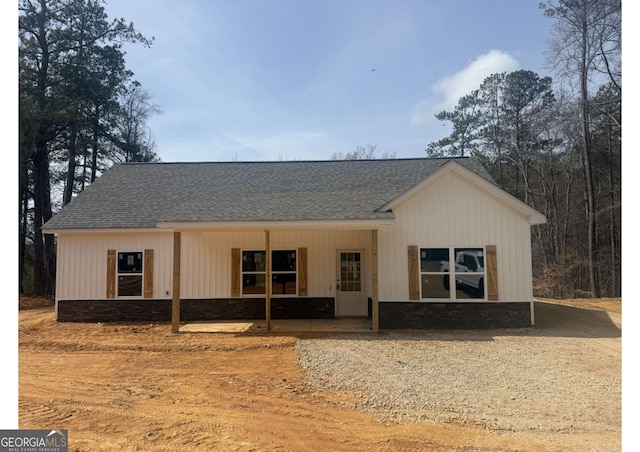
{"x": 139, "y": 387}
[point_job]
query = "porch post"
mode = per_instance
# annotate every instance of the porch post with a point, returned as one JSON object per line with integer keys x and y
{"x": 267, "y": 288}
{"x": 175, "y": 300}
{"x": 375, "y": 320}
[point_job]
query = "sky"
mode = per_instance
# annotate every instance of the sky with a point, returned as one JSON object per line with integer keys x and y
{"x": 258, "y": 80}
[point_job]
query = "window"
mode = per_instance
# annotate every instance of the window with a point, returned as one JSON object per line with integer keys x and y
{"x": 130, "y": 274}
{"x": 283, "y": 272}
{"x": 253, "y": 272}
{"x": 437, "y": 276}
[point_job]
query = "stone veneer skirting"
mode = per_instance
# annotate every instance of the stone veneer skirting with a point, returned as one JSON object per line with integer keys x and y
{"x": 471, "y": 315}
{"x": 141, "y": 310}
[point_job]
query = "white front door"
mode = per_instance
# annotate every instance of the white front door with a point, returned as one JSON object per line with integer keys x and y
{"x": 350, "y": 286}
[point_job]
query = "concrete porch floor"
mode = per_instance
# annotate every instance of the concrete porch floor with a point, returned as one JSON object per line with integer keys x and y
{"x": 280, "y": 326}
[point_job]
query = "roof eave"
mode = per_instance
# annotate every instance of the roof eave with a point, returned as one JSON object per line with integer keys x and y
{"x": 261, "y": 225}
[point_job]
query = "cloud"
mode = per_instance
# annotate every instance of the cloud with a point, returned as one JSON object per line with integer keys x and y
{"x": 446, "y": 92}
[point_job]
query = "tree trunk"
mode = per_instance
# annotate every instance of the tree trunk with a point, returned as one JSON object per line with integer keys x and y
{"x": 94, "y": 151}
{"x": 24, "y": 221}
{"x": 615, "y": 286}
{"x": 586, "y": 162}
{"x": 71, "y": 165}
{"x": 42, "y": 212}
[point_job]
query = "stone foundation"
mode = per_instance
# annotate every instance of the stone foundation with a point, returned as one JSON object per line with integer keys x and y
{"x": 472, "y": 315}
{"x": 144, "y": 310}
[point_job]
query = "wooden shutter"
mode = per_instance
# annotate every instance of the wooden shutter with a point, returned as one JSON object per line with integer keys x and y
{"x": 148, "y": 273}
{"x": 492, "y": 272}
{"x": 302, "y": 272}
{"x": 235, "y": 272}
{"x": 414, "y": 273}
{"x": 111, "y": 273}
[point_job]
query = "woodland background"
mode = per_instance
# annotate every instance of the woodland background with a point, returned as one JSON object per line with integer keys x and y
{"x": 552, "y": 140}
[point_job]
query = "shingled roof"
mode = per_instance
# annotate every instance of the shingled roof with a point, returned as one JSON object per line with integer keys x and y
{"x": 139, "y": 195}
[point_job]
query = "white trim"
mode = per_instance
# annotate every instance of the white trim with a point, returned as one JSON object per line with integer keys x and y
{"x": 260, "y": 225}
{"x": 363, "y": 277}
{"x": 118, "y": 274}
{"x": 296, "y": 272}
{"x": 530, "y": 214}
{"x": 106, "y": 231}
{"x": 453, "y": 296}
{"x": 163, "y": 227}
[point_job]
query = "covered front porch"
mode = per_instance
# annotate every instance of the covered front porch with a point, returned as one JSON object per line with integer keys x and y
{"x": 258, "y": 295}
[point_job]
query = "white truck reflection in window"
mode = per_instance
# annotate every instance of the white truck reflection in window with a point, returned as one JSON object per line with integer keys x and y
{"x": 469, "y": 271}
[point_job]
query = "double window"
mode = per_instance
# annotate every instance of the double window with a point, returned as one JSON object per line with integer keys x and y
{"x": 130, "y": 274}
{"x": 452, "y": 273}
{"x": 284, "y": 272}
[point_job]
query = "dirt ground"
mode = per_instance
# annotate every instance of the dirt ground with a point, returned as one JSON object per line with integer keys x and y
{"x": 140, "y": 387}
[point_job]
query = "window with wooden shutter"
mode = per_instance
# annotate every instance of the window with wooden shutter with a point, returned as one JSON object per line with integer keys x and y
{"x": 492, "y": 273}
{"x": 148, "y": 273}
{"x": 302, "y": 272}
{"x": 130, "y": 274}
{"x": 235, "y": 272}
{"x": 414, "y": 273}
{"x": 111, "y": 273}
{"x": 453, "y": 273}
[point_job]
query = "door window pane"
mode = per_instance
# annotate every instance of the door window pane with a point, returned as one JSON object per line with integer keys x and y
{"x": 350, "y": 272}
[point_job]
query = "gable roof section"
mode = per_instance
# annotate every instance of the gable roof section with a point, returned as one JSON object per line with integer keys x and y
{"x": 529, "y": 213}
{"x": 141, "y": 195}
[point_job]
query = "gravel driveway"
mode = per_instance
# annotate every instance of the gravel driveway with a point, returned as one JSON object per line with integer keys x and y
{"x": 563, "y": 375}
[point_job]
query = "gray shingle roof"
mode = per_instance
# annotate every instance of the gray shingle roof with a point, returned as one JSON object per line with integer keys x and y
{"x": 138, "y": 195}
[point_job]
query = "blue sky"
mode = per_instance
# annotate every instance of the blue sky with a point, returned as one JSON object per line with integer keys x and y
{"x": 284, "y": 79}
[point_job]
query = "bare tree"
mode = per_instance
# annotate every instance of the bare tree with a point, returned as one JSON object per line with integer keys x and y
{"x": 367, "y": 152}
{"x": 584, "y": 45}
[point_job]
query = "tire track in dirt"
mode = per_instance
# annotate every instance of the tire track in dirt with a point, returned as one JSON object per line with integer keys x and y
{"x": 140, "y": 387}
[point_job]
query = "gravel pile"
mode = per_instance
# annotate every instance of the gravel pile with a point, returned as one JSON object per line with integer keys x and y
{"x": 515, "y": 382}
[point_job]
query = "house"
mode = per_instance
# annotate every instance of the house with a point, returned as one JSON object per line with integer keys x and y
{"x": 410, "y": 243}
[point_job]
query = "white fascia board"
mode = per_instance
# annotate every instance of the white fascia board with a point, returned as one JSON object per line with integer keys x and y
{"x": 105, "y": 231}
{"x": 529, "y": 213}
{"x": 261, "y": 225}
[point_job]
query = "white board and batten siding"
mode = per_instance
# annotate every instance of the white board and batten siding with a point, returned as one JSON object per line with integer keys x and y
{"x": 205, "y": 260}
{"x": 452, "y": 212}
{"x": 82, "y": 262}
